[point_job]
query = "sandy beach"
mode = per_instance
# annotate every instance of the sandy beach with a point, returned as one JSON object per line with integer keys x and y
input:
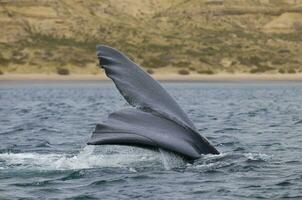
{"x": 160, "y": 77}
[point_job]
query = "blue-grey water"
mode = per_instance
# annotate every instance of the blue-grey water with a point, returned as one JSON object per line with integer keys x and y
{"x": 44, "y": 127}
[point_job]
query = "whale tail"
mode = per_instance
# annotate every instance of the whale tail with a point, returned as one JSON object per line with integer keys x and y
{"x": 155, "y": 121}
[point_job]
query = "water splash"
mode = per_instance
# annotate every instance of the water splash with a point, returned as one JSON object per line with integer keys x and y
{"x": 171, "y": 160}
{"x": 89, "y": 157}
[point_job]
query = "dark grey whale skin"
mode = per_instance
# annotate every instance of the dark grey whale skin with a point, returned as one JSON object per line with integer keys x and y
{"x": 155, "y": 120}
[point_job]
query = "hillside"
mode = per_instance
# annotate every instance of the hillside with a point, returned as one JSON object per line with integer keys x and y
{"x": 202, "y": 36}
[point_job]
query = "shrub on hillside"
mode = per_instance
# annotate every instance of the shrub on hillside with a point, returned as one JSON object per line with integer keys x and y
{"x": 281, "y": 71}
{"x": 63, "y": 71}
{"x": 3, "y": 61}
{"x": 150, "y": 71}
{"x": 155, "y": 62}
{"x": 205, "y": 71}
{"x": 251, "y": 60}
{"x": 261, "y": 69}
{"x": 1, "y": 72}
{"x": 291, "y": 71}
{"x": 183, "y": 72}
{"x": 256, "y": 70}
{"x": 192, "y": 68}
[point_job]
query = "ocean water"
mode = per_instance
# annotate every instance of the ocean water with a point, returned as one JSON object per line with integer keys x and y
{"x": 44, "y": 127}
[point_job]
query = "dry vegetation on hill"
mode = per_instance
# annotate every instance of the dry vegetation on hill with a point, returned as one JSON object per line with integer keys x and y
{"x": 200, "y": 36}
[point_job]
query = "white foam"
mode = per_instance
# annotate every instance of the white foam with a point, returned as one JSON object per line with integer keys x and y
{"x": 213, "y": 156}
{"x": 257, "y": 156}
{"x": 87, "y": 158}
{"x": 207, "y": 161}
{"x": 171, "y": 160}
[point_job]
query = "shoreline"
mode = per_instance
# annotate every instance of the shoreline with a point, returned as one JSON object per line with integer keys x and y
{"x": 159, "y": 77}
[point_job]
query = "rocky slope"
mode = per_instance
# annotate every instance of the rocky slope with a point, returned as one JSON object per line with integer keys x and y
{"x": 202, "y": 36}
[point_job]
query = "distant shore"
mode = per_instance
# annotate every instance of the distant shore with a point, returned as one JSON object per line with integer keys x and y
{"x": 160, "y": 77}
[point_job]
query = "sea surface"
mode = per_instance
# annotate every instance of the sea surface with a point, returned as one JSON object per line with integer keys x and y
{"x": 44, "y": 127}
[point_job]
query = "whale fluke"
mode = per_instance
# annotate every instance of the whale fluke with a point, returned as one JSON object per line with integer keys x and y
{"x": 155, "y": 121}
